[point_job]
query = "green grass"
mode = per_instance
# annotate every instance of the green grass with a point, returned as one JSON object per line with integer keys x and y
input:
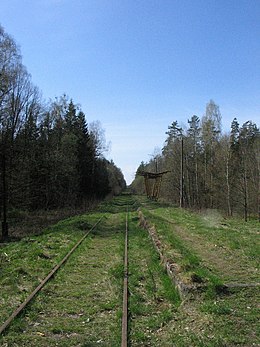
{"x": 24, "y": 264}
{"x": 153, "y": 298}
{"x": 190, "y": 263}
{"x": 221, "y": 249}
{"x": 218, "y": 250}
{"x": 82, "y": 305}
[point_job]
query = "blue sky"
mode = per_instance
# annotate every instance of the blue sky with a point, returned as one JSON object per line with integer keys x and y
{"x": 138, "y": 65}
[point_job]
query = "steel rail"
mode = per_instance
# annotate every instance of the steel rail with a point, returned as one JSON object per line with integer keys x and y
{"x": 46, "y": 279}
{"x": 124, "y": 342}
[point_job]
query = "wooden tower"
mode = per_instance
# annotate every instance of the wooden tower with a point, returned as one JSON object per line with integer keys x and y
{"x": 152, "y": 182}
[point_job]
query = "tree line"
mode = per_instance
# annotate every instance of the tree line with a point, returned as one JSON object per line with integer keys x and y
{"x": 208, "y": 168}
{"x": 49, "y": 156}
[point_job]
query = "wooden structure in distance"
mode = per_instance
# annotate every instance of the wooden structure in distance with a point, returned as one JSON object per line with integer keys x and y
{"x": 152, "y": 182}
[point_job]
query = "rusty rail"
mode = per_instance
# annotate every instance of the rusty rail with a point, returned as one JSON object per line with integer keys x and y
{"x": 124, "y": 340}
{"x": 46, "y": 279}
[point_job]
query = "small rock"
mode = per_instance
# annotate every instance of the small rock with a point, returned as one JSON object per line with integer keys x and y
{"x": 40, "y": 334}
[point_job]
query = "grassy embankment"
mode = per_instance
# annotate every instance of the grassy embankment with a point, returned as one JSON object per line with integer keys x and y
{"x": 212, "y": 250}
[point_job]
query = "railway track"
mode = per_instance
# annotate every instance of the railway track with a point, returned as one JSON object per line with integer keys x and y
{"x": 87, "y": 302}
{"x": 32, "y": 297}
{"x": 124, "y": 340}
{"x": 110, "y": 290}
{"x": 34, "y": 293}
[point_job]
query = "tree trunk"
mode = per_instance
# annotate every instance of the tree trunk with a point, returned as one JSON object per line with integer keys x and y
{"x": 245, "y": 196}
{"x": 258, "y": 193}
{"x": 182, "y": 173}
{"x": 4, "y": 182}
{"x": 228, "y": 186}
{"x": 197, "y": 182}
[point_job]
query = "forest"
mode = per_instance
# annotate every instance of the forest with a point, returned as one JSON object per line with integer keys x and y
{"x": 208, "y": 168}
{"x": 50, "y": 156}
